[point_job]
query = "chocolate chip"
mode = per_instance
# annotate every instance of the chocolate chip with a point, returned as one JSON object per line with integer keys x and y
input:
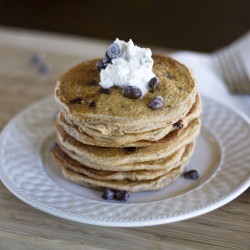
{"x": 104, "y": 91}
{"x": 100, "y": 65}
{"x": 192, "y": 175}
{"x": 122, "y": 195}
{"x": 153, "y": 83}
{"x": 106, "y": 59}
{"x": 36, "y": 58}
{"x": 132, "y": 92}
{"x": 170, "y": 77}
{"x": 44, "y": 68}
{"x": 114, "y": 51}
{"x": 92, "y": 83}
{"x": 156, "y": 103}
{"x": 77, "y": 100}
{"x": 129, "y": 149}
{"x": 92, "y": 105}
{"x": 178, "y": 124}
{"x": 108, "y": 194}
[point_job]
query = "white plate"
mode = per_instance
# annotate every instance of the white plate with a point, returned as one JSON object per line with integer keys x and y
{"x": 222, "y": 156}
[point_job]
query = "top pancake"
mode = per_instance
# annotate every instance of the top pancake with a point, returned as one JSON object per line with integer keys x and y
{"x": 177, "y": 87}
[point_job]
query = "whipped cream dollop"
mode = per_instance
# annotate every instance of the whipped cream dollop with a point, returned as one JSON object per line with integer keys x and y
{"x": 133, "y": 67}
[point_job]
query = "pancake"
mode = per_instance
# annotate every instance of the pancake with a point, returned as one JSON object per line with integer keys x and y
{"x": 94, "y": 137}
{"x": 131, "y": 186}
{"x": 135, "y": 175}
{"x": 109, "y": 113}
{"x": 112, "y": 158}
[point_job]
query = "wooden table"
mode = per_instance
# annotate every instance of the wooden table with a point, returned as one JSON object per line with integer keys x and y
{"x": 23, "y": 227}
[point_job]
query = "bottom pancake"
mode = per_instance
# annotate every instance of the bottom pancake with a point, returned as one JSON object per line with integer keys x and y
{"x": 161, "y": 181}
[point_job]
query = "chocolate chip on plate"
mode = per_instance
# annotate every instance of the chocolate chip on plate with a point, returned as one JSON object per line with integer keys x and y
{"x": 77, "y": 100}
{"x": 192, "y": 175}
{"x": 104, "y": 91}
{"x": 178, "y": 124}
{"x": 36, "y": 58}
{"x": 132, "y": 92}
{"x": 156, "y": 103}
{"x": 153, "y": 83}
{"x": 122, "y": 195}
{"x": 114, "y": 51}
{"x": 44, "y": 68}
{"x": 108, "y": 194}
{"x": 92, "y": 83}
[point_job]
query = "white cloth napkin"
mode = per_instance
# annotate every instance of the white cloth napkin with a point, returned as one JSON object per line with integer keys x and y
{"x": 210, "y": 81}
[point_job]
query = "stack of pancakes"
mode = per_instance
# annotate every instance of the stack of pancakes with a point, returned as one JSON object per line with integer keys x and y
{"x": 106, "y": 140}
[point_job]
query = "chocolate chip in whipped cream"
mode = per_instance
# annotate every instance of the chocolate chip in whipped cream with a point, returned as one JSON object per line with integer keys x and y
{"x": 156, "y": 103}
{"x": 153, "y": 83}
{"x": 77, "y": 100}
{"x": 132, "y": 92}
{"x": 114, "y": 51}
{"x": 106, "y": 59}
{"x": 100, "y": 65}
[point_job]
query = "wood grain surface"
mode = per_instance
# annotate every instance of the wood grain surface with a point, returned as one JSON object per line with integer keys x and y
{"x": 25, "y": 228}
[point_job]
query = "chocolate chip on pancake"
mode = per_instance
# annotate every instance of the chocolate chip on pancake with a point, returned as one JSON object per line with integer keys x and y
{"x": 153, "y": 83}
{"x": 129, "y": 150}
{"x": 156, "y": 103}
{"x": 92, "y": 83}
{"x": 104, "y": 91}
{"x": 92, "y": 105}
{"x": 77, "y": 100}
{"x": 100, "y": 65}
{"x": 178, "y": 124}
{"x": 170, "y": 77}
{"x": 132, "y": 92}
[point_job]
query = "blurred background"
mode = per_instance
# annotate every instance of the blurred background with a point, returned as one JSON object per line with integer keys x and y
{"x": 191, "y": 25}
